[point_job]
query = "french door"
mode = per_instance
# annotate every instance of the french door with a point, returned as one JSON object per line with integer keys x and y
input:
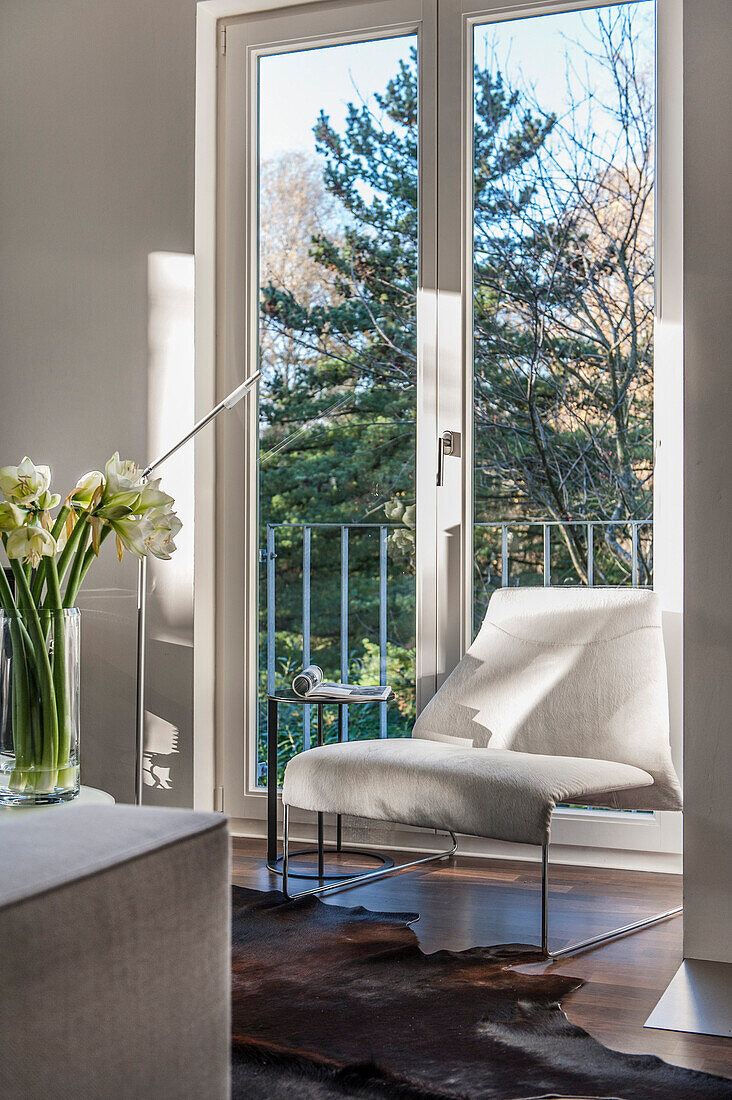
{"x": 331, "y": 268}
{"x": 415, "y": 243}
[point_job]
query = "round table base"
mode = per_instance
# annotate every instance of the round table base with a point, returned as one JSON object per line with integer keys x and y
{"x": 276, "y": 865}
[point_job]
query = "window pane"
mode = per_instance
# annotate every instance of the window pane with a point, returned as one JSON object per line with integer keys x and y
{"x": 563, "y": 300}
{"x": 338, "y": 272}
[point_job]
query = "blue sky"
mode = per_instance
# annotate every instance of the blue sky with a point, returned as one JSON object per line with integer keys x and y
{"x": 294, "y": 86}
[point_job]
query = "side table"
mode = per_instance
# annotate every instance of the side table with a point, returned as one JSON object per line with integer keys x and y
{"x": 274, "y": 859}
{"x": 87, "y": 796}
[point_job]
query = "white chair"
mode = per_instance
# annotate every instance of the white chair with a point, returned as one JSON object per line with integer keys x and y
{"x": 562, "y": 697}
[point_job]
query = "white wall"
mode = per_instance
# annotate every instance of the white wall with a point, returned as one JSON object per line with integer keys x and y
{"x": 707, "y": 495}
{"x": 96, "y": 173}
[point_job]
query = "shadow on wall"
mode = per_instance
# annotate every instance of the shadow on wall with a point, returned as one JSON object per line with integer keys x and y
{"x": 168, "y": 761}
{"x": 161, "y": 743}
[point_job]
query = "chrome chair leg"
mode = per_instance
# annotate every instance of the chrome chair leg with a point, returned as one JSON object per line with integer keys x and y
{"x": 354, "y": 880}
{"x": 593, "y": 941}
{"x": 382, "y": 872}
{"x": 285, "y": 851}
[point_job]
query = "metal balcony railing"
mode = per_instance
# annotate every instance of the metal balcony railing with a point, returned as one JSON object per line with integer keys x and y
{"x": 635, "y": 570}
{"x": 345, "y": 531}
{"x": 589, "y": 527}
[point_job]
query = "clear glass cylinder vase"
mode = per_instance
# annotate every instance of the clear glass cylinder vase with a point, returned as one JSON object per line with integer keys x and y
{"x": 39, "y": 706}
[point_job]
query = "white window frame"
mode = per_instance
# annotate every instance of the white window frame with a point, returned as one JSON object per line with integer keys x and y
{"x": 228, "y": 334}
{"x": 225, "y": 700}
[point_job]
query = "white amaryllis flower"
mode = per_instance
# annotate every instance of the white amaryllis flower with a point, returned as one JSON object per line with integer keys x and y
{"x": 86, "y": 487}
{"x": 165, "y": 526}
{"x": 121, "y": 474}
{"x": 133, "y": 531}
{"x": 44, "y": 504}
{"x": 24, "y": 484}
{"x": 47, "y": 500}
{"x": 30, "y": 543}
{"x": 152, "y": 496}
{"x": 122, "y": 482}
{"x": 11, "y": 516}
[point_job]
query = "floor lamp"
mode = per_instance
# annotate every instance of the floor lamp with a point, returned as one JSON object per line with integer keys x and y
{"x": 228, "y": 403}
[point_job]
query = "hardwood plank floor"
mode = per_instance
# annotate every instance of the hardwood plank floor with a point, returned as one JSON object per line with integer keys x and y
{"x": 469, "y": 902}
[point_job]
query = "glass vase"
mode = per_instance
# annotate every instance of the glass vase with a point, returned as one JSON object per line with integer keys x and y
{"x": 39, "y": 706}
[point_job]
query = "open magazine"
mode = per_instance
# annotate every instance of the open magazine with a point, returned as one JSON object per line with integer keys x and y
{"x": 309, "y": 684}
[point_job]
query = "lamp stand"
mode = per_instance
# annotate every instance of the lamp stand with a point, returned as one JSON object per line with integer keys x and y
{"x": 228, "y": 403}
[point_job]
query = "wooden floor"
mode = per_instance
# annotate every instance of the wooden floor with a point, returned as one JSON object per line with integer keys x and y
{"x": 470, "y": 902}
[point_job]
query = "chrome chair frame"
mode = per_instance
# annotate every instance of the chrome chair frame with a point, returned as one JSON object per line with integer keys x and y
{"x": 593, "y": 941}
{"x": 352, "y": 880}
{"x": 382, "y": 872}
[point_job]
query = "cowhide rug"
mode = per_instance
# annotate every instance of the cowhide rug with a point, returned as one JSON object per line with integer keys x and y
{"x": 331, "y": 1002}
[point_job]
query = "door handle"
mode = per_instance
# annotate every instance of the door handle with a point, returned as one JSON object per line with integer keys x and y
{"x": 445, "y": 446}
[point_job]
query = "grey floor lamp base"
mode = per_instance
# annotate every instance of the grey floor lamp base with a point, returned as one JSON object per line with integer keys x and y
{"x": 698, "y": 1000}
{"x": 382, "y": 872}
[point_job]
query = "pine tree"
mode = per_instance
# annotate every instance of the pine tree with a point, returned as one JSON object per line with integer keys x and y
{"x": 363, "y": 349}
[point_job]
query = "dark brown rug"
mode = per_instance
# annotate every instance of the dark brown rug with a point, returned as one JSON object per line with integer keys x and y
{"x": 331, "y": 1002}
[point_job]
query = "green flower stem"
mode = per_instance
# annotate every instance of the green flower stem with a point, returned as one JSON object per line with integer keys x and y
{"x": 49, "y": 752}
{"x": 60, "y": 520}
{"x": 23, "y": 630}
{"x": 15, "y": 718}
{"x": 6, "y": 594}
{"x": 59, "y": 663}
{"x": 35, "y": 727}
{"x": 21, "y": 703}
{"x": 22, "y": 687}
{"x": 18, "y": 610}
{"x": 64, "y": 558}
{"x": 26, "y": 639}
{"x": 26, "y": 739}
{"x": 89, "y": 556}
{"x": 24, "y": 777}
{"x": 40, "y": 577}
{"x": 62, "y": 566}
{"x": 74, "y": 582}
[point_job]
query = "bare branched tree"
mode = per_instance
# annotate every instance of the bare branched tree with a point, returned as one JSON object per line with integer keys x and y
{"x": 564, "y": 312}
{"x": 294, "y": 208}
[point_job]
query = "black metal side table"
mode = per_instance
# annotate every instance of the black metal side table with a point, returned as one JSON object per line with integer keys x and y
{"x": 274, "y": 860}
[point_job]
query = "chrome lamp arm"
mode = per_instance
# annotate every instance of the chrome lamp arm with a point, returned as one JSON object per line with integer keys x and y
{"x": 228, "y": 403}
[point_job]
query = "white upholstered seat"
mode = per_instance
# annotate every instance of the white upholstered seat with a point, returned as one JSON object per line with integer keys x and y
{"x": 562, "y": 696}
{"x": 482, "y": 792}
